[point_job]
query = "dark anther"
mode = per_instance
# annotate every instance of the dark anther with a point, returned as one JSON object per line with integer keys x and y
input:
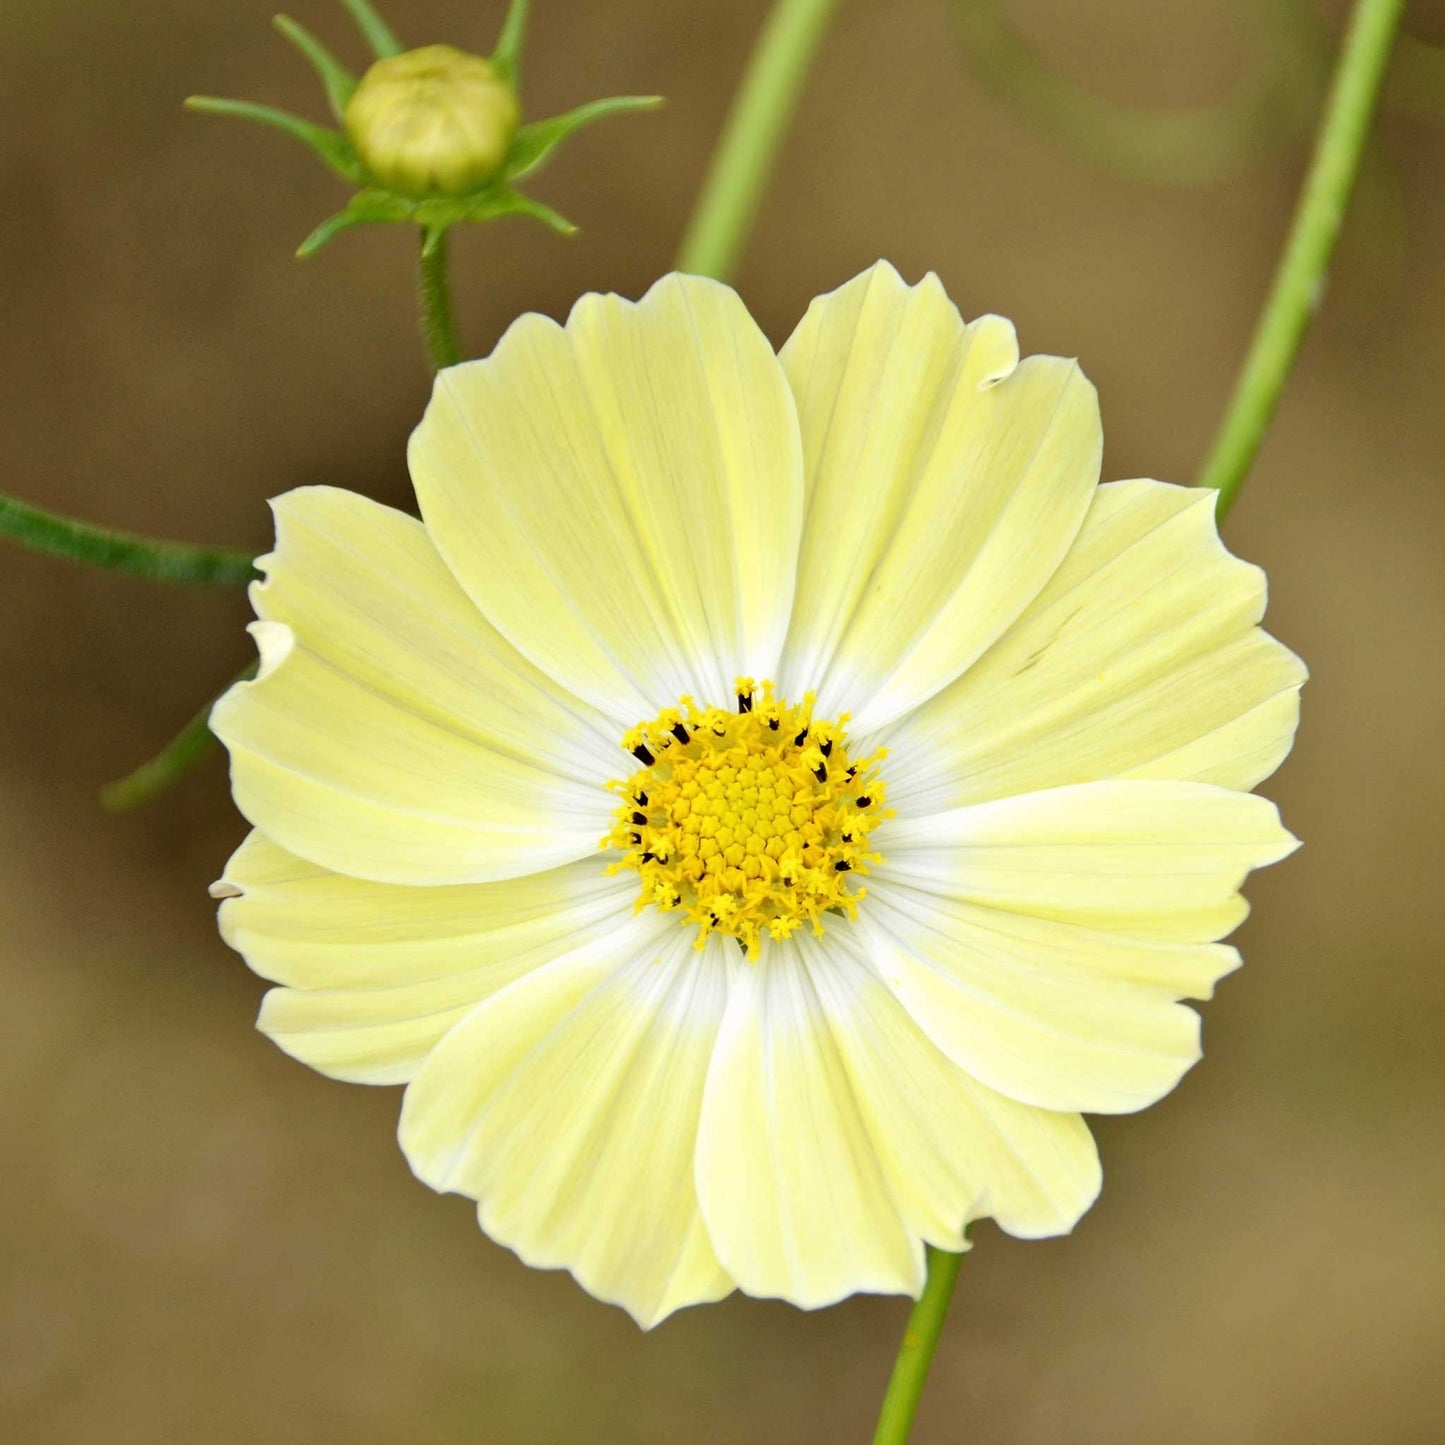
{"x": 852, "y": 772}
{"x": 639, "y": 817}
{"x": 680, "y": 733}
{"x": 801, "y": 738}
{"x": 821, "y": 772}
{"x": 643, "y": 754}
{"x": 843, "y": 867}
{"x": 826, "y": 748}
{"x": 641, "y": 800}
{"x": 864, "y": 800}
{"x": 772, "y": 724}
{"x": 847, "y": 837}
{"x": 636, "y": 839}
{"x": 719, "y": 731}
{"x": 745, "y": 702}
{"x": 647, "y": 857}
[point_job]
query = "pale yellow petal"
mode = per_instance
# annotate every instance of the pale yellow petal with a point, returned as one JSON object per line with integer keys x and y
{"x": 339, "y": 772}
{"x": 795, "y": 1197}
{"x": 1043, "y": 941}
{"x": 363, "y": 587}
{"x": 375, "y": 973}
{"x": 1141, "y": 658}
{"x": 567, "y": 1106}
{"x": 623, "y": 496}
{"x": 945, "y": 483}
{"x": 952, "y": 1148}
{"x": 1152, "y": 859}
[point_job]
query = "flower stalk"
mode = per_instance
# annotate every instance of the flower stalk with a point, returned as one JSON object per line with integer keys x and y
{"x": 915, "y": 1354}
{"x": 1299, "y": 281}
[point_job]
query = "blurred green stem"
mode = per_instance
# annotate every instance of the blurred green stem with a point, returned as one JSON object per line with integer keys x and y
{"x": 434, "y": 293}
{"x": 761, "y": 111}
{"x": 1273, "y": 100}
{"x": 148, "y": 557}
{"x": 152, "y": 778}
{"x": 915, "y": 1354}
{"x": 1299, "y": 280}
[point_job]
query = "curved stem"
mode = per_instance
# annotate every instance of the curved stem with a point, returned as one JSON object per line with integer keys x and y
{"x": 148, "y": 557}
{"x": 1300, "y": 278}
{"x": 1273, "y": 100}
{"x": 434, "y": 293}
{"x": 915, "y": 1354}
{"x": 761, "y": 111}
{"x": 184, "y": 750}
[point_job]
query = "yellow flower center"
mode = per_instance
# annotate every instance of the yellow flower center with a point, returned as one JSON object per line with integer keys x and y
{"x": 750, "y": 821}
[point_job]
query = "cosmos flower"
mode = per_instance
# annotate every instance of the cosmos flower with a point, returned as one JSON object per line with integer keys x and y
{"x": 767, "y": 799}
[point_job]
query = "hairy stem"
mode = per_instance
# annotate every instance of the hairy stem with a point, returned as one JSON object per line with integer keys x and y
{"x": 915, "y": 1354}
{"x": 434, "y": 294}
{"x": 1299, "y": 280}
{"x": 148, "y": 557}
{"x": 760, "y": 114}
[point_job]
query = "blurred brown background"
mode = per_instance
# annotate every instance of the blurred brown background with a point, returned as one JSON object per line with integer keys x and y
{"x": 202, "y": 1241}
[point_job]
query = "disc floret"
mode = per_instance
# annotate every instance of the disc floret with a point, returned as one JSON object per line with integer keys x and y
{"x": 748, "y": 821}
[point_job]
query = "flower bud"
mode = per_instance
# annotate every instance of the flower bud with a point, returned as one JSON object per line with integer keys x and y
{"x": 432, "y": 122}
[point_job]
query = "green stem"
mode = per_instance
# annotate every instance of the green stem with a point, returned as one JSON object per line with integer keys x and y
{"x": 438, "y": 325}
{"x": 153, "y": 778}
{"x": 1300, "y": 278}
{"x": 43, "y": 531}
{"x": 760, "y": 114}
{"x": 915, "y": 1354}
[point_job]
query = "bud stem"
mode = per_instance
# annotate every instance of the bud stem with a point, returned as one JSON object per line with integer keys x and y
{"x": 434, "y": 294}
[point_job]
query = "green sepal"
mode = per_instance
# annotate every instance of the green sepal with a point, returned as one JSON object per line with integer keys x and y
{"x": 519, "y": 204}
{"x": 340, "y": 83}
{"x": 364, "y": 208}
{"x": 507, "y": 57}
{"x": 333, "y": 146}
{"x": 435, "y": 215}
{"x": 534, "y": 143}
{"x": 439, "y": 213}
{"x": 377, "y": 33}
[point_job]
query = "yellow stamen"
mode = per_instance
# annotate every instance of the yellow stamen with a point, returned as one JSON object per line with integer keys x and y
{"x": 748, "y": 822}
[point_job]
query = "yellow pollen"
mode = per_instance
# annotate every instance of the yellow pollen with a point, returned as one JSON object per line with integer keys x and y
{"x": 747, "y": 822}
